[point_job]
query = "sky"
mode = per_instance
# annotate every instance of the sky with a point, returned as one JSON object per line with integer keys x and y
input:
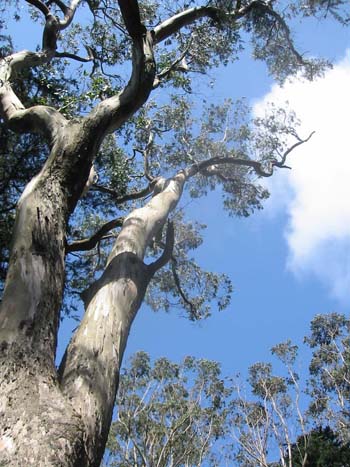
{"x": 291, "y": 260}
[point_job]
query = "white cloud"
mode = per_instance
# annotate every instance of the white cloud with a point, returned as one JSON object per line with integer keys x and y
{"x": 316, "y": 193}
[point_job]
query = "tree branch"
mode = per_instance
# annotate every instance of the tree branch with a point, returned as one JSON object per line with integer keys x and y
{"x": 184, "y": 18}
{"x": 40, "y": 6}
{"x": 178, "y": 65}
{"x": 110, "y": 114}
{"x": 131, "y": 15}
{"x": 128, "y": 197}
{"x": 68, "y": 12}
{"x": 39, "y": 119}
{"x": 167, "y": 252}
{"x": 89, "y": 58}
{"x": 90, "y": 243}
{"x": 257, "y": 166}
{"x": 193, "y": 310}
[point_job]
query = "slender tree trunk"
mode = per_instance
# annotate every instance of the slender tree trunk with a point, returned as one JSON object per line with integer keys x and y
{"x": 90, "y": 370}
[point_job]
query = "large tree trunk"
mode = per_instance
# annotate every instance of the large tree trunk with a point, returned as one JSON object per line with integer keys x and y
{"x": 38, "y": 425}
{"x": 46, "y": 418}
{"x": 50, "y": 417}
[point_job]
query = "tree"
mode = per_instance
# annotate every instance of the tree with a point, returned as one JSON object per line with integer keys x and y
{"x": 323, "y": 449}
{"x": 171, "y": 414}
{"x": 67, "y": 129}
{"x": 330, "y": 370}
{"x": 269, "y": 417}
{"x": 168, "y": 414}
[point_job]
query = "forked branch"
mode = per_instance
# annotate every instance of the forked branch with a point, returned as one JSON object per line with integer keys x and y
{"x": 90, "y": 243}
{"x": 258, "y": 167}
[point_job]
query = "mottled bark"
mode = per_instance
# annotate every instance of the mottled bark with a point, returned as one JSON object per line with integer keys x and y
{"x": 46, "y": 420}
{"x": 90, "y": 369}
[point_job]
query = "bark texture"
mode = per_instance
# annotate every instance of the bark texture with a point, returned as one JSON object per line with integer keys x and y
{"x": 49, "y": 418}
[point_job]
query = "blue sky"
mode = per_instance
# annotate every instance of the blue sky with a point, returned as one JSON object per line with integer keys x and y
{"x": 291, "y": 260}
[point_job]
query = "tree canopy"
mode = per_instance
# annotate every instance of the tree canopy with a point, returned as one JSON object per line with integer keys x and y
{"x": 102, "y": 136}
{"x": 171, "y": 414}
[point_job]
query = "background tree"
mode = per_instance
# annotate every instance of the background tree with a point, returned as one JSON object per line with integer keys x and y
{"x": 190, "y": 414}
{"x": 168, "y": 414}
{"x": 323, "y": 449}
{"x": 301, "y": 418}
{"x": 103, "y": 131}
{"x": 330, "y": 370}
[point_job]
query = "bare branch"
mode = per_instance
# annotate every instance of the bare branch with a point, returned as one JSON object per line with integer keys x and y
{"x": 257, "y": 166}
{"x": 289, "y": 150}
{"x": 167, "y": 253}
{"x": 90, "y": 243}
{"x": 128, "y": 197}
{"x": 89, "y": 58}
{"x": 192, "y": 307}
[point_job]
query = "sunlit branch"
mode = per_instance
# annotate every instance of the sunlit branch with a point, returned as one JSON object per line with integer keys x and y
{"x": 178, "y": 21}
{"x": 111, "y": 113}
{"x": 175, "y": 23}
{"x": 68, "y": 12}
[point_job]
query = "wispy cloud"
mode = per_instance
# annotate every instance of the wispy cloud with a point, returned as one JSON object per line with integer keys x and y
{"x": 316, "y": 193}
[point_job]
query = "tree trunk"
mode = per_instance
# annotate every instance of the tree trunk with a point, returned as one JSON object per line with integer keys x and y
{"x": 62, "y": 419}
{"x": 49, "y": 418}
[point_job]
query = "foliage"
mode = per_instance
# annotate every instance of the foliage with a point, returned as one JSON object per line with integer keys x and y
{"x": 330, "y": 370}
{"x": 190, "y": 414}
{"x": 168, "y": 414}
{"x": 323, "y": 449}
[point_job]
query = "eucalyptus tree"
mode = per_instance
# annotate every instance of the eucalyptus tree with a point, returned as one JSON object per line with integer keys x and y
{"x": 304, "y": 419}
{"x": 101, "y": 160}
{"x": 168, "y": 414}
{"x": 190, "y": 414}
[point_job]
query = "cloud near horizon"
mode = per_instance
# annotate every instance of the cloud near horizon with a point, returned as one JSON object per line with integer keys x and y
{"x": 315, "y": 194}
